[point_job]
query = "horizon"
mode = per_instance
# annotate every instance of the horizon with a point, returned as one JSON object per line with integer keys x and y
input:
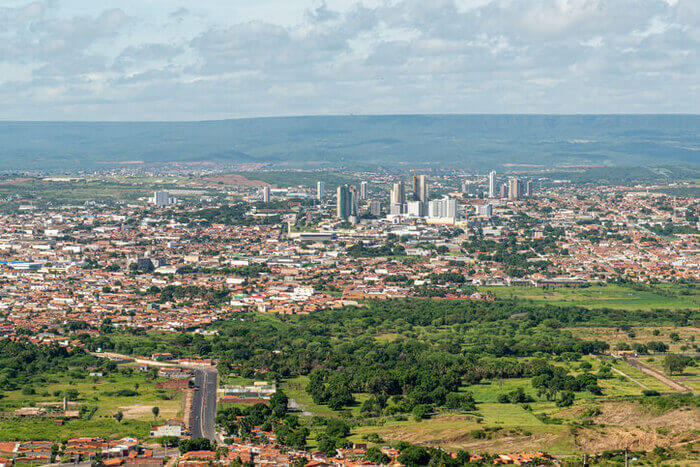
{"x": 271, "y": 117}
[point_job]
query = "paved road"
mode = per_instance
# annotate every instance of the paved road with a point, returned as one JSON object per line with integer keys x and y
{"x": 203, "y": 409}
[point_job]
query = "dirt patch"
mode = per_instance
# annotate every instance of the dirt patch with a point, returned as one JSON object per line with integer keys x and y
{"x": 631, "y": 415}
{"x": 455, "y": 432}
{"x": 632, "y": 426}
{"x": 141, "y": 411}
{"x": 235, "y": 180}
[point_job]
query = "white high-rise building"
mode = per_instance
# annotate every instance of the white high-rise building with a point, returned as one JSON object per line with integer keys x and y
{"x": 320, "y": 190}
{"x": 398, "y": 194}
{"x": 265, "y": 194}
{"x": 484, "y": 210}
{"x": 363, "y": 190}
{"x": 492, "y": 184}
{"x": 445, "y": 208}
{"x": 162, "y": 198}
{"x": 415, "y": 209}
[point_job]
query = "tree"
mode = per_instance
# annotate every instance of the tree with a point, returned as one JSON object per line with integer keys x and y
{"x": 197, "y": 444}
{"x": 374, "y": 454}
{"x": 566, "y": 399}
{"x": 156, "y": 411}
{"x": 414, "y": 455}
{"x": 119, "y": 415}
{"x": 675, "y": 363}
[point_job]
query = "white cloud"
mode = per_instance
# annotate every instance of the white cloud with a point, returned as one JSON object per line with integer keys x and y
{"x": 341, "y": 56}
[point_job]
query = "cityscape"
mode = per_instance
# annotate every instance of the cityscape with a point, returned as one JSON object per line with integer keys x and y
{"x": 349, "y": 233}
{"x": 106, "y": 278}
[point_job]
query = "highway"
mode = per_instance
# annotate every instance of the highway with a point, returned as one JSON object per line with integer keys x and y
{"x": 203, "y": 409}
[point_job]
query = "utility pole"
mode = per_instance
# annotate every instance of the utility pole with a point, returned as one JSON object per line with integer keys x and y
{"x": 627, "y": 458}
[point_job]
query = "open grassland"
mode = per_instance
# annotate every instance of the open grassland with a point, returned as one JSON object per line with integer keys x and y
{"x": 106, "y": 189}
{"x": 105, "y": 395}
{"x": 678, "y": 339}
{"x": 46, "y": 429}
{"x": 622, "y": 297}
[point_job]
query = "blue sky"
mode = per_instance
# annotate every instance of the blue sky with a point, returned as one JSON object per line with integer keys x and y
{"x": 212, "y": 59}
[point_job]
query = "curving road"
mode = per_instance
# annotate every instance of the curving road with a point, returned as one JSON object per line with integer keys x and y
{"x": 203, "y": 408}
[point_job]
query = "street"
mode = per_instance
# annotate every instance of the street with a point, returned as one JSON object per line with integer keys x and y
{"x": 203, "y": 410}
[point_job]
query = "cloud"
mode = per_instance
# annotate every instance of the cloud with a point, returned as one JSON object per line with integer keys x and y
{"x": 361, "y": 57}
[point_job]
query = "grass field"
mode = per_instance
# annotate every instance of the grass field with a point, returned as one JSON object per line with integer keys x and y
{"x": 642, "y": 334}
{"x": 96, "y": 392}
{"x": 46, "y": 430}
{"x": 621, "y": 297}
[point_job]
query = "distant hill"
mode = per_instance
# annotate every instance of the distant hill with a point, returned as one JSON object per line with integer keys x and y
{"x": 467, "y": 141}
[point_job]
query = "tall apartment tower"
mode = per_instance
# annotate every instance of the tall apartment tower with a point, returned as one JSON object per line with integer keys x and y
{"x": 492, "y": 184}
{"x": 265, "y": 194}
{"x": 363, "y": 190}
{"x": 375, "y": 208}
{"x": 420, "y": 188}
{"x": 344, "y": 202}
{"x": 398, "y": 193}
{"x": 514, "y": 186}
{"x": 443, "y": 208}
{"x": 162, "y": 198}
{"x": 320, "y": 190}
{"x": 528, "y": 188}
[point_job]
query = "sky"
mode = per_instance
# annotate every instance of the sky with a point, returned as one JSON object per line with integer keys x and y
{"x": 214, "y": 59}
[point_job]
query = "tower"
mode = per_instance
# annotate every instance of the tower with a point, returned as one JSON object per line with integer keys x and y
{"x": 492, "y": 184}
{"x": 320, "y": 190}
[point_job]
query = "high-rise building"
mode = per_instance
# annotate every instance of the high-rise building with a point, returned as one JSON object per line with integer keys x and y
{"x": 503, "y": 191}
{"x": 415, "y": 188}
{"x": 375, "y": 208}
{"x": 354, "y": 197}
{"x": 162, "y": 198}
{"x": 265, "y": 194}
{"x": 398, "y": 193}
{"x": 363, "y": 190}
{"x": 343, "y": 202}
{"x": 320, "y": 190}
{"x": 528, "y": 188}
{"x": 346, "y": 201}
{"x": 514, "y": 186}
{"x": 396, "y": 209}
{"x": 415, "y": 208}
{"x": 492, "y": 184}
{"x": 443, "y": 208}
{"x": 420, "y": 189}
{"x": 484, "y": 210}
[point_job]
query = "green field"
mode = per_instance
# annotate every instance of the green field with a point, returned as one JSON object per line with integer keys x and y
{"x": 93, "y": 392}
{"x": 620, "y": 297}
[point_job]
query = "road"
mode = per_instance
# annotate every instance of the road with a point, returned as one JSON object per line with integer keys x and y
{"x": 203, "y": 409}
{"x": 658, "y": 375}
